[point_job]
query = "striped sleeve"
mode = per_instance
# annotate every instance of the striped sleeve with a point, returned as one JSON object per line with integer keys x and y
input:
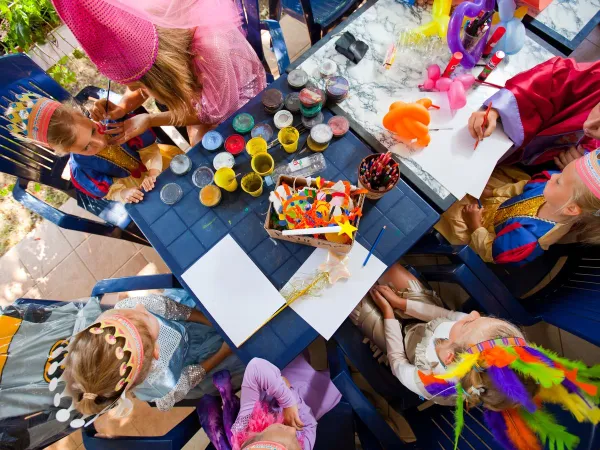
{"x": 515, "y": 244}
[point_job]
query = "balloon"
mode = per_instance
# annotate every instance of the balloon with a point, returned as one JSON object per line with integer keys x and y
{"x": 429, "y": 84}
{"x": 510, "y": 18}
{"x": 469, "y": 9}
{"x": 410, "y": 120}
{"x": 443, "y": 84}
{"x": 467, "y": 79}
{"x": 439, "y": 21}
{"x": 433, "y": 72}
{"x": 457, "y": 98}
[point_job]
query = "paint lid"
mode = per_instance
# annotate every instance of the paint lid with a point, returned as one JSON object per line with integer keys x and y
{"x": 321, "y": 133}
{"x": 202, "y": 176}
{"x": 292, "y": 102}
{"x": 297, "y": 78}
{"x": 310, "y": 122}
{"x": 272, "y": 99}
{"x": 235, "y": 144}
{"x": 327, "y": 68}
{"x": 181, "y": 164}
{"x": 339, "y": 125}
{"x": 283, "y": 119}
{"x": 337, "y": 88}
{"x": 223, "y": 159}
{"x": 212, "y": 140}
{"x": 171, "y": 193}
{"x": 262, "y": 130}
{"x": 311, "y": 96}
{"x": 243, "y": 123}
{"x": 311, "y": 112}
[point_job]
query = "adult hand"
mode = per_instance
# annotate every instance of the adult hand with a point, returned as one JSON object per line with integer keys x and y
{"x": 476, "y": 128}
{"x": 291, "y": 417}
{"x": 569, "y": 155}
{"x": 99, "y": 111}
{"x": 472, "y": 215}
{"x": 148, "y": 183}
{"x": 132, "y": 195}
{"x": 383, "y": 305}
{"x": 121, "y": 132}
{"x": 392, "y": 298}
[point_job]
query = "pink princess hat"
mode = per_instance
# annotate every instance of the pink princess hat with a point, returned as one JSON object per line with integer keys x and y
{"x": 588, "y": 168}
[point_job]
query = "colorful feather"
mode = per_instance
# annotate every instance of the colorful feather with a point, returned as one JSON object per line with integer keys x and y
{"x": 549, "y": 431}
{"x": 509, "y": 384}
{"x": 541, "y": 356}
{"x": 498, "y": 356}
{"x": 496, "y": 424}
{"x": 518, "y": 432}
{"x": 544, "y": 375}
{"x": 436, "y": 387}
{"x": 461, "y": 368}
{"x": 559, "y": 359}
{"x": 459, "y": 414}
{"x": 578, "y": 407}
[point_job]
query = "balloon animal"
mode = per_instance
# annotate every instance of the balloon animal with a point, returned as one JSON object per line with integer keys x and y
{"x": 509, "y": 17}
{"x": 468, "y": 9}
{"x": 410, "y": 121}
{"x": 439, "y": 21}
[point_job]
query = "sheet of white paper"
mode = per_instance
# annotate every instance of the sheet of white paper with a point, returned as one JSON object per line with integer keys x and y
{"x": 442, "y": 118}
{"x": 240, "y": 308}
{"x": 326, "y": 312}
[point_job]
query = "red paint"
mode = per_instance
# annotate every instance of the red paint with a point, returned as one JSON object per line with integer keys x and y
{"x": 235, "y": 144}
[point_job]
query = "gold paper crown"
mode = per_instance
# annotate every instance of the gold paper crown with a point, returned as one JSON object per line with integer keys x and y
{"x": 29, "y": 116}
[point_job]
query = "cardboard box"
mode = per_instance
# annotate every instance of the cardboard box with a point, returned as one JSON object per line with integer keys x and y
{"x": 308, "y": 239}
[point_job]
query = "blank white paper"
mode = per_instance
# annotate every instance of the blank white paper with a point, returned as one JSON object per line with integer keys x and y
{"x": 326, "y": 311}
{"x": 233, "y": 290}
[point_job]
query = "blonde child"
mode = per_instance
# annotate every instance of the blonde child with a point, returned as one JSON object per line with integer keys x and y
{"x": 451, "y": 358}
{"x": 98, "y": 169}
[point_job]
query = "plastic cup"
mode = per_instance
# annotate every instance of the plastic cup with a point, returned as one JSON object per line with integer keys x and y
{"x": 225, "y": 179}
{"x": 263, "y": 164}
{"x": 288, "y": 138}
{"x": 256, "y": 145}
{"x": 210, "y": 195}
{"x": 252, "y": 183}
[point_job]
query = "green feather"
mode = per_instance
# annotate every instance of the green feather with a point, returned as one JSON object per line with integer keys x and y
{"x": 559, "y": 359}
{"x": 590, "y": 372}
{"x": 459, "y": 416}
{"x": 544, "y": 375}
{"x": 549, "y": 431}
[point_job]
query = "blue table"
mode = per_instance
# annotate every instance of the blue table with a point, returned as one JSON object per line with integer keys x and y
{"x": 183, "y": 233}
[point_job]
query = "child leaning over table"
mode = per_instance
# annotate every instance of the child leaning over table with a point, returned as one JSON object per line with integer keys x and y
{"x": 98, "y": 169}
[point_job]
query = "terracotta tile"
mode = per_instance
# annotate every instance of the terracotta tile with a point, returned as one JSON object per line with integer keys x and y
{"x": 75, "y": 237}
{"x": 198, "y": 442}
{"x": 586, "y": 52}
{"x": 110, "y": 299}
{"x": 43, "y": 249}
{"x": 104, "y": 256}
{"x": 34, "y": 293}
{"x": 152, "y": 256}
{"x": 139, "y": 246}
{"x": 70, "y": 280}
{"x": 132, "y": 267}
{"x": 269, "y": 54}
{"x": 318, "y": 354}
{"x": 71, "y": 207}
{"x": 594, "y": 36}
{"x": 109, "y": 425}
{"x": 65, "y": 443}
{"x": 15, "y": 280}
{"x": 546, "y": 335}
{"x": 77, "y": 438}
{"x": 576, "y": 348}
{"x": 152, "y": 422}
{"x": 296, "y": 36}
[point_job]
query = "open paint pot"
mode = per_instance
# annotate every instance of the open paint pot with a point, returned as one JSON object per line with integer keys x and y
{"x": 243, "y": 123}
{"x": 310, "y": 122}
{"x": 297, "y": 79}
{"x": 180, "y": 165}
{"x": 320, "y": 137}
{"x": 262, "y": 130}
{"x": 272, "y": 100}
{"x": 235, "y": 144}
{"x": 210, "y": 195}
{"x": 292, "y": 102}
{"x": 327, "y": 68}
{"x": 252, "y": 183}
{"x": 171, "y": 193}
{"x": 339, "y": 125}
{"x": 263, "y": 164}
{"x": 288, "y": 138}
{"x": 256, "y": 145}
{"x": 203, "y": 176}
{"x": 225, "y": 179}
{"x": 311, "y": 96}
{"x": 223, "y": 159}
{"x": 283, "y": 119}
{"x": 212, "y": 141}
{"x": 337, "y": 89}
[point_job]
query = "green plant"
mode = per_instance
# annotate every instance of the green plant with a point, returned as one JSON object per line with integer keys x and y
{"x": 61, "y": 73}
{"x": 25, "y": 23}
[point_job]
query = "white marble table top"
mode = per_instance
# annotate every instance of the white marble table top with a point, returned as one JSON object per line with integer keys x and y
{"x": 568, "y": 17}
{"x": 371, "y": 88}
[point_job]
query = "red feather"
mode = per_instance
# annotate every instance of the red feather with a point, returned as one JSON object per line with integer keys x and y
{"x": 519, "y": 433}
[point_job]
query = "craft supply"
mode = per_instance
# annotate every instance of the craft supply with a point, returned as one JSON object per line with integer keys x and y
{"x": 203, "y": 176}
{"x": 320, "y": 137}
{"x": 484, "y": 123}
{"x": 491, "y": 65}
{"x": 493, "y": 41}
{"x": 235, "y": 144}
{"x": 390, "y": 57}
{"x": 310, "y": 122}
{"x": 263, "y": 164}
{"x": 180, "y": 164}
{"x": 304, "y": 167}
{"x": 472, "y": 50}
{"x": 350, "y": 47}
{"x": 378, "y": 174}
{"x": 511, "y": 19}
{"x": 292, "y": 102}
{"x": 262, "y": 130}
{"x": 327, "y": 68}
{"x": 243, "y": 123}
{"x": 315, "y": 147}
{"x": 171, "y": 193}
{"x": 374, "y": 245}
{"x": 311, "y": 96}
{"x": 252, "y": 183}
{"x": 339, "y": 125}
{"x": 256, "y": 145}
{"x": 312, "y": 111}
{"x": 212, "y": 140}
{"x": 210, "y": 195}
{"x": 272, "y": 100}
{"x": 410, "y": 121}
{"x": 223, "y": 159}
{"x": 307, "y": 231}
{"x": 479, "y": 204}
{"x": 283, "y": 119}
{"x": 107, "y": 98}
{"x": 337, "y": 89}
{"x": 225, "y": 179}
{"x": 453, "y": 64}
{"x": 297, "y": 79}
{"x": 288, "y": 137}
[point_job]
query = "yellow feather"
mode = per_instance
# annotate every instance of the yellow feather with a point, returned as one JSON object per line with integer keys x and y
{"x": 461, "y": 368}
{"x": 573, "y": 402}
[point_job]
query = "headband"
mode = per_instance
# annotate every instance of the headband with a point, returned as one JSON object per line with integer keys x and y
{"x": 30, "y": 115}
{"x": 588, "y": 168}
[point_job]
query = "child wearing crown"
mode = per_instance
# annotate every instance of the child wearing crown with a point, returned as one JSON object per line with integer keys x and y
{"x": 98, "y": 169}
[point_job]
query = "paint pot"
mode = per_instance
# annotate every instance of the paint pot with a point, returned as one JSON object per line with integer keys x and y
{"x": 292, "y": 102}
{"x": 262, "y": 130}
{"x": 180, "y": 165}
{"x": 283, "y": 119}
{"x": 311, "y": 96}
{"x": 252, "y": 183}
{"x": 223, "y": 159}
{"x": 337, "y": 89}
{"x": 288, "y": 138}
{"x": 321, "y": 134}
{"x": 210, "y": 195}
{"x": 256, "y": 145}
{"x": 297, "y": 79}
{"x": 310, "y": 122}
{"x": 225, "y": 179}
{"x": 263, "y": 164}
{"x": 171, "y": 193}
{"x": 312, "y": 145}
{"x": 339, "y": 125}
{"x": 311, "y": 112}
{"x": 202, "y": 176}
{"x": 243, "y": 123}
{"x": 272, "y": 100}
{"x": 235, "y": 144}
{"x": 327, "y": 68}
{"x": 212, "y": 141}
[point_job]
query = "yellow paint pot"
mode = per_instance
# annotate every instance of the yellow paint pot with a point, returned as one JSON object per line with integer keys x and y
{"x": 252, "y": 183}
{"x": 288, "y": 138}
{"x": 210, "y": 195}
{"x": 263, "y": 164}
{"x": 225, "y": 178}
{"x": 256, "y": 145}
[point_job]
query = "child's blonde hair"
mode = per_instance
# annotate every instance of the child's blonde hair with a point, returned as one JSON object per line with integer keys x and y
{"x": 92, "y": 367}
{"x": 586, "y": 224}
{"x": 62, "y": 130}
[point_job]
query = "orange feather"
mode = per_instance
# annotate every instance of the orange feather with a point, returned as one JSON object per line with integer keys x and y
{"x": 526, "y": 356}
{"x": 519, "y": 433}
{"x": 497, "y": 356}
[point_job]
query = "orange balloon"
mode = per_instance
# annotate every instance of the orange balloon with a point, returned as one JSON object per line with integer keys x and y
{"x": 410, "y": 121}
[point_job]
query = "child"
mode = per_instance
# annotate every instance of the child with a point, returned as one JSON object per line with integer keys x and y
{"x": 452, "y": 357}
{"x": 279, "y": 410}
{"x": 98, "y": 169}
{"x": 519, "y": 221}
{"x": 197, "y": 62}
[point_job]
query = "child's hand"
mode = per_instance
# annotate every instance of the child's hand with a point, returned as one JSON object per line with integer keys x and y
{"x": 291, "y": 417}
{"x": 383, "y": 305}
{"x": 392, "y": 298}
{"x": 476, "y": 124}
{"x": 132, "y": 195}
{"x": 148, "y": 183}
{"x": 568, "y": 156}
{"x": 472, "y": 215}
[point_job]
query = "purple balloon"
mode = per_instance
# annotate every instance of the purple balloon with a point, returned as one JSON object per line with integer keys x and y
{"x": 467, "y": 9}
